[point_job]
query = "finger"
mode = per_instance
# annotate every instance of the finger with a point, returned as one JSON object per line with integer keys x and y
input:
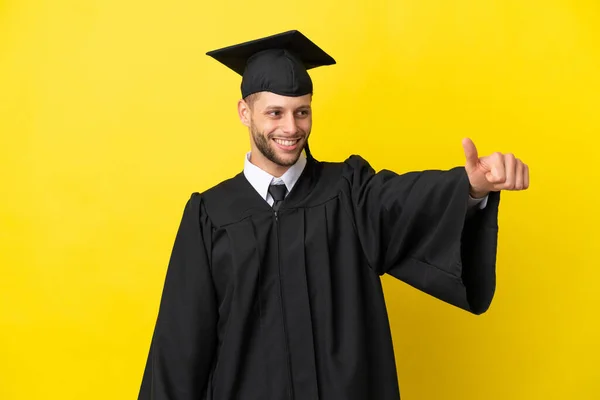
{"x": 510, "y": 165}
{"x": 520, "y": 175}
{"x": 498, "y": 172}
{"x": 470, "y": 152}
{"x": 525, "y": 176}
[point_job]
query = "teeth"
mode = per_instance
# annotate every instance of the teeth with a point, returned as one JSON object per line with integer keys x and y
{"x": 286, "y": 142}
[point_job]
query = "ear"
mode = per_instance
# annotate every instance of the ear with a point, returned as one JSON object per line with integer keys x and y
{"x": 244, "y": 112}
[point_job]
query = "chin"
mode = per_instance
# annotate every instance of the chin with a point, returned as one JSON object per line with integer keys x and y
{"x": 286, "y": 159}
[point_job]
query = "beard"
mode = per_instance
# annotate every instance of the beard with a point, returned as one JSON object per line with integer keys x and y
{"x": 267, "y": 149}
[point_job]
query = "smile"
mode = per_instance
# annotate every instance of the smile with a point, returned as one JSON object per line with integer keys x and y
{"x": 285, "y": 142}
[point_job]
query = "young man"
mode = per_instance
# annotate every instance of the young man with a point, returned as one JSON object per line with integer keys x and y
{"x": 273, "y": 287}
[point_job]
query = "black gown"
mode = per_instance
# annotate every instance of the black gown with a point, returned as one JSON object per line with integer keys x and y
{"x": 259, "y": 305}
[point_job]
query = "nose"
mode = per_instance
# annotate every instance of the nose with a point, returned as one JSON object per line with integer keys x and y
{"x": 288, "y": 124}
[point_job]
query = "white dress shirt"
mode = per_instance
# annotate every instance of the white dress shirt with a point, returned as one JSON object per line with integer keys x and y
{"x": 261, "y": 180}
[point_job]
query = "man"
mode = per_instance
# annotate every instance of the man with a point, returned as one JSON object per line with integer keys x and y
{"x": 273, "y": 287}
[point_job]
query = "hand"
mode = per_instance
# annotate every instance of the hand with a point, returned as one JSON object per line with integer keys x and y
{"x": 495, "y": 172}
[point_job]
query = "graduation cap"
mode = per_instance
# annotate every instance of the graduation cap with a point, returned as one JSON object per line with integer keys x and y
{"x": 277, "y": 63}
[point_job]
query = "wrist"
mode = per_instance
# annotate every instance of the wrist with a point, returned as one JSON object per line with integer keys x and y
{"x": 478, "y": 194}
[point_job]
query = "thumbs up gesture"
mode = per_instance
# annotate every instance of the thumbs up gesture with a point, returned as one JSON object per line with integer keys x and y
{"x": 495, "y": 172}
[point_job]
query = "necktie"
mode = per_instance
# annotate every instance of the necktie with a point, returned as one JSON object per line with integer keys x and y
{"x": 278, "y": 193}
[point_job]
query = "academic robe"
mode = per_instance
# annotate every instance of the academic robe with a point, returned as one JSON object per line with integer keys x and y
{"x": 265, "y": 305}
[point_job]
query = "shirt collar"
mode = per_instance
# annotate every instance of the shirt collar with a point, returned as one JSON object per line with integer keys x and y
{"x": 261, "y": 180}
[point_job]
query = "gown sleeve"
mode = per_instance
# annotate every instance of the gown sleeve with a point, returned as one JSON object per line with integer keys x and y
{"x": 418, "y": 228}
{"x": 184, "y": 338}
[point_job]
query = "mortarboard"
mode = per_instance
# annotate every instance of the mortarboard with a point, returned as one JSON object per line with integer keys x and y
{"x": 277, "y": 63}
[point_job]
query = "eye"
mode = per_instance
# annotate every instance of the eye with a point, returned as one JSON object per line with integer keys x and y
{"x": 274, "y": 113}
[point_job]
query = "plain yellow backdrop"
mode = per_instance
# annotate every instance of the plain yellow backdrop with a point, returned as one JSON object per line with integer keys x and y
{"x": 111, "y": 115}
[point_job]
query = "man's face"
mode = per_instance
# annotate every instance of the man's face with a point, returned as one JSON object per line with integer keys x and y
{"x": 280, "y": 126}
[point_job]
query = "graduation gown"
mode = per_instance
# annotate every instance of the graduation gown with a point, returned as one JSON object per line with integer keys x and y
{"x": 265, "y": 305}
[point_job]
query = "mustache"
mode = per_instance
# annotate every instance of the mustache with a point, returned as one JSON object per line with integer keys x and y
{"x": 294, "y": 137}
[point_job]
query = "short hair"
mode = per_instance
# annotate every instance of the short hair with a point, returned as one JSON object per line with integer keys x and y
{"x": 251, "y": 99}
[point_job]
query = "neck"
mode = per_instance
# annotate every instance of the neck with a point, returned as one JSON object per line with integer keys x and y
{"x": 267, "y": 165}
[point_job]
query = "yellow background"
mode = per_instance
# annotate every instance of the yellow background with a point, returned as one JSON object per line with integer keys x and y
{"x": 111, "y": 115}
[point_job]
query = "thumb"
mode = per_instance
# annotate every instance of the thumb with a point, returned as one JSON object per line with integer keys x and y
{"x": 470, "y": 153}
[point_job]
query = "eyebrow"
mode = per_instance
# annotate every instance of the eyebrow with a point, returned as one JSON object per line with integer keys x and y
{"x": 273, "y": 107}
